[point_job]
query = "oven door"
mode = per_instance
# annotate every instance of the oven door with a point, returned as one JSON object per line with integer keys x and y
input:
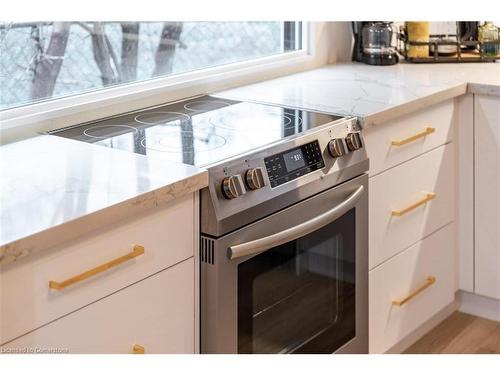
{"x": 293, "y": 282}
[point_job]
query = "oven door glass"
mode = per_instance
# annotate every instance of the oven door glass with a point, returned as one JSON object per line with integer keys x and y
{"x": 299, "y": 297}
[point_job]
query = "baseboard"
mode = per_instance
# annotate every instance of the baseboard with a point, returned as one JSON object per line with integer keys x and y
{"x": 484, "y": 307}
{"x": 418, "y": 333}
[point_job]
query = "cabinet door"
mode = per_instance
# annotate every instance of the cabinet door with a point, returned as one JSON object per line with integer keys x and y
{"x": 417, "y": 133}
{"x": 409, "y": 202}
{"x": 410, "y": 288}
{"x": 487, "y": 195}
{"x": 157, "y": 313}
{"x": 168, "y": 235}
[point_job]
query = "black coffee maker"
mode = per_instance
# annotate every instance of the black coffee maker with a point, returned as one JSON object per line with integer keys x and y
{"x": 373, "y": 43}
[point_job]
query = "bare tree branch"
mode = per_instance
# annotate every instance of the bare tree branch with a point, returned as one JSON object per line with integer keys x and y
{"x": 38, "y": 49}
{"x": 164, "y": 55}
{"x": 20, "y": 25}
{"x": 102, "y": 55}
{"x": 114, "y": 58}
{"x": 84, "y": 26}
{"x": 130, "y": 49}
{"x": 48, "y": 66}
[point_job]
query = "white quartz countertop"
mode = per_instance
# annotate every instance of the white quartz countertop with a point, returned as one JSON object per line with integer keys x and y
{"x": 373, "y": 93}
{"x": 53, "y": 189}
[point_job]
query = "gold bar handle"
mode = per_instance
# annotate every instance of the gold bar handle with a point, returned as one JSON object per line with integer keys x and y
{"x": 428, "y": 197}
{"x": 138, "y": 250}
{"x": 138, "y": 349}
{"x": 428, "y": 282}
{"x": 422, "y": 134}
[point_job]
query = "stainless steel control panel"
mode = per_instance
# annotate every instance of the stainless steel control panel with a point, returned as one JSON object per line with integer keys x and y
{"x": 257, "y": 184}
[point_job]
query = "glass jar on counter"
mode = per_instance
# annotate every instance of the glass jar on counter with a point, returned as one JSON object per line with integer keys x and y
{"x": 418, "y": 32}
{"x": 489, "y": 33}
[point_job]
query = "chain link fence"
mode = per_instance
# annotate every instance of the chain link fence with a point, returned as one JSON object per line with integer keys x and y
{"x": 200, "y": 45}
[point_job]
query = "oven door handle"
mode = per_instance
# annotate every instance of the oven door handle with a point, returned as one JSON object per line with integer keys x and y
{"x": 262, "y": 244}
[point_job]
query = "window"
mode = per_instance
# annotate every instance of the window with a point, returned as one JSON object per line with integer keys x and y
{"x": 40, "y": 61}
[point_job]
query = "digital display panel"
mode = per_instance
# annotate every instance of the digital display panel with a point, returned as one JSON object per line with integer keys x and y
{"x": 294, "y": 160}
{"x": 294, "y": 163}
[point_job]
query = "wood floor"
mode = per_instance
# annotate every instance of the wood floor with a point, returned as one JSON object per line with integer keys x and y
{"x": 460, "y": 333}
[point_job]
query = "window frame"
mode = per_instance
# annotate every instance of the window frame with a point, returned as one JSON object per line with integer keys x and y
{"x": 25, "y": 121}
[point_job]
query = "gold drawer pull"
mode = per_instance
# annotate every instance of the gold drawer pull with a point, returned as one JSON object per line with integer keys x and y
{"x": 422, "y": 134}
{"x": 430, "y": 280}
{"x": 138, "y": 349}
{"x": 428, "y": 197}
{"x": 138, "y": 250}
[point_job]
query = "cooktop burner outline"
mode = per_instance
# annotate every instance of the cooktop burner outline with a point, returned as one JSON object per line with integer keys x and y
{"x": 180, "y": 117}
{"x": 87, "y": 130}
{"x": 189, "y": 106}
{"x": 198, "y": 131}
{"x": 299, "y": 118}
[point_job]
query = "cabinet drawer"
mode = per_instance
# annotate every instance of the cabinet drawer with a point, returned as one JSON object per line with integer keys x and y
{"x": 167, "y": 235}
{"x": 410, "y": 273}
{"x": 421, "y": 191}
{"x": 156, "y": 313}
{"x": 413, "y": 135}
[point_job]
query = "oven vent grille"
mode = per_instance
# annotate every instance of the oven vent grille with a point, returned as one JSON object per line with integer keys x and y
{"x": 207, "y": 250}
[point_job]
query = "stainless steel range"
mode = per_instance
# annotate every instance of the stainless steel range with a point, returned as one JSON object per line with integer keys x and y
{"x": 284, "y": 221}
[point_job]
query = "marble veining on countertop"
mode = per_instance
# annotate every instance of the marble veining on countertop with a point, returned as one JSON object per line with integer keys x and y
{"x": 373, "y": 93}
{"x": 54, "y": 189}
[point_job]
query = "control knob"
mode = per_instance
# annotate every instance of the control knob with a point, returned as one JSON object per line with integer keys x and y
{"x": 336, "y": 148}
{"x": 255, "y": 179}
{"x": 233, "y": 187}
{"x": 353, "y": 141}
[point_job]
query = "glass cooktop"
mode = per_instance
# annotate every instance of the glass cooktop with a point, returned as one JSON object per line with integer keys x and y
{"x": 199, "y": 131}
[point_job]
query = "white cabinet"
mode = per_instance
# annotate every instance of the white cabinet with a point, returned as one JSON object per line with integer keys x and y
{"x": 94, "y": 270}
{"x": 157, "y": 314}
{"x": 410, "y": 201}
{"x": 487, "y": 195}
{"x": 410, "y": 288}
{"x": 464, "y": 152}
{"x": 412, "y": 248}
{"x": 404, "y": 138}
